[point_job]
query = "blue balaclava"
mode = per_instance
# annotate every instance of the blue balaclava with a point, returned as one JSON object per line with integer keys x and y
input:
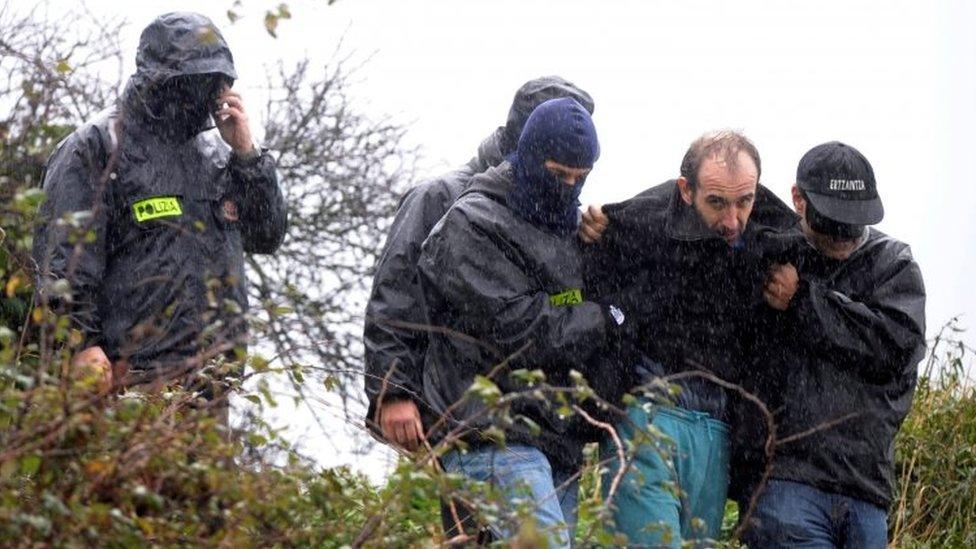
{"x": 560, "y": 130}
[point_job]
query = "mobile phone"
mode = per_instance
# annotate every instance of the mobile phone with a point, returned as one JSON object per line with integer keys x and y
{"x": 222, "y": 84}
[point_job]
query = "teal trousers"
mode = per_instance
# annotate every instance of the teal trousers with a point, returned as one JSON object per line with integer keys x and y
{"x": 676, "y": 486}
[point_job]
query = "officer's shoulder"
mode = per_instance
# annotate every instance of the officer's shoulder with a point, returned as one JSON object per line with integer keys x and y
{"x": 881, "y": 243}
{"x": 661, "y": 191}
{"x": 487, "y": 192}
{"x": 98, "y": 134}
{"x": 656, "y": 198}
{"x": 646, "y": 209}
{"x": 475, "y": 212}
{"x": 475, "y": 207}
{"x": 770, "y": 211}
{"x": 445, "y": 187}
{"x": 463, "y": 220}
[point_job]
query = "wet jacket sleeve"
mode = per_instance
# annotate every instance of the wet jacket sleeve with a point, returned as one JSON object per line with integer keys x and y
{"x": 264, "y": 218}
{"x": 468, "y": 268}
{"x": 70, "y": 240}
{"x": 396, "y": 353}
{"x": 881, "y": 335}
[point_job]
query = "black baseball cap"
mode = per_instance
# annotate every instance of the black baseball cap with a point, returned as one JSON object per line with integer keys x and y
{"x": 839, "y": 182}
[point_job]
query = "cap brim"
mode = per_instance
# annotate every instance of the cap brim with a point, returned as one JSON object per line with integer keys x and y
{"x": 852, "y": 212}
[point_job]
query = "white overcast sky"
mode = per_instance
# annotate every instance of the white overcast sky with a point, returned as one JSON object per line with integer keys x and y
{"x": 896, "y": 79}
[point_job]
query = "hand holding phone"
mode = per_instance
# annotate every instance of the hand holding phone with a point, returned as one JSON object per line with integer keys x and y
{"x": 232, "y": 121}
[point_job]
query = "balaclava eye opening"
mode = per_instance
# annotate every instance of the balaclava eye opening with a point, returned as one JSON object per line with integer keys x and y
{"x": 560, "y": 130}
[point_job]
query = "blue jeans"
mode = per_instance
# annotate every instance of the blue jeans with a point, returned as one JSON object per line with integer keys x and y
{"x": 524, "y": 475}
{"x": 676, "y": 488}
{"x": 791, "y": 514}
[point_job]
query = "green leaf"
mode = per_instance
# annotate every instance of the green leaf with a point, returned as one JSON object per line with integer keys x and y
{"x": 259, "y": 363}
{"x": 29, "y": 465}
{"x": 330, "y": 382}
{"x": 485, "y": 389}
{"x": 271, "y": 24}
{"x": 29, "y": 199}
{"x": 529, "y": 377}
{"x": 494, "y": 434}
{"x": 297, "y": 375}
{"x": 534, "y": 427}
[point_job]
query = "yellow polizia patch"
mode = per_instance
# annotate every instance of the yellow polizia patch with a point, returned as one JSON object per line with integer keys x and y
{"x": 156, "y": 207}
{"x": 569, "y": 297}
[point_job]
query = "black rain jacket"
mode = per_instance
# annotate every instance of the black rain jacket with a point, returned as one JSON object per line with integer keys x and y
{"x": 505, "y": 283}
{"x": 395, "y": 352}
{"x": 162, "y": 273}
{"x": 846, "y": 350}
{"x": 687, "y": 294}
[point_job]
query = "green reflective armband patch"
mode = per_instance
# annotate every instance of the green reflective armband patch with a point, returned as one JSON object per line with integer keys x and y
{"x": 156, "y": 207}
{"x": 569, "y": 297}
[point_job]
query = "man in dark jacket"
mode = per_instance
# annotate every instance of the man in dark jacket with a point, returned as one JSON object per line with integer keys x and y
{"x": 501, "y": 273}
{"x": 394, "y": 338}
{"x": 684, "y": 261}
{"x": 836, "y": 360}
{"x": 155, "y": 264}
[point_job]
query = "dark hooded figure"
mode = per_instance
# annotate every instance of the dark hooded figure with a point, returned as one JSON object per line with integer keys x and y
{"x": 501, "y": 274}
{"x": 173, "y": 191}
{"x": 394, "y": 350}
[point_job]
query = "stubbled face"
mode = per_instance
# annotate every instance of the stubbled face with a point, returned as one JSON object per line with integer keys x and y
{"x": 831, "y": 246}
{"x": 725, "y": 195}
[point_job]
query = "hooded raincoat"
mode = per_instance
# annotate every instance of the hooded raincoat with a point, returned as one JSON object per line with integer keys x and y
{"x": 162, "y": 218}
{"x": 395, "y": 352}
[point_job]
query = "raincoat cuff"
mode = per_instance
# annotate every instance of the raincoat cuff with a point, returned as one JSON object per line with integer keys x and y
{"x": 393, "y": 394}
{"x": 250, "y": 158}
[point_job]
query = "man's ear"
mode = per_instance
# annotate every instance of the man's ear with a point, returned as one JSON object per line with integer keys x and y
{"x": 687, "y": 193}
{"x": 799, "y": 203}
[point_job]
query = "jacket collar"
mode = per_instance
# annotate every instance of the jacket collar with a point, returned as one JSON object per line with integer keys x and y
{"x": 495, "y": 183}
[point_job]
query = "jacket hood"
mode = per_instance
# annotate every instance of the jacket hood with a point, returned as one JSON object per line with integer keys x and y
{"x": 532, "y": 94}
{"x": 490, "y": 153}
{"x": 176, "y": 44}
{"x": 182, "y": 43}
